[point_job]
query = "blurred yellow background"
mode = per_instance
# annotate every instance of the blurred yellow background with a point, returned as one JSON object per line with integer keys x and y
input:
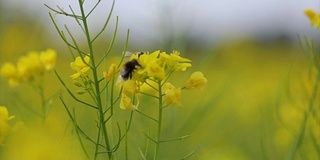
{"x": 251, "y": 108}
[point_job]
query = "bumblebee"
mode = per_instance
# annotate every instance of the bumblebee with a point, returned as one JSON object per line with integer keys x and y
{"x": 128, "y": 69}
{"x": 130, "y": 66}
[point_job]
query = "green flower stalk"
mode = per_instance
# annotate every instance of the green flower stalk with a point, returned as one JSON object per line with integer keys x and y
{"x": 87, "y": 78}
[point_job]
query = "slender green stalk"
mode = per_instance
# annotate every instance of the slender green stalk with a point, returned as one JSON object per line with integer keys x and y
{"x": 97, "y": 143}
{"x": 157, "y": 149}
{"x": 43, "y": 103}
{"x": 126, "y": 145}
{"x": 96, "y": 81}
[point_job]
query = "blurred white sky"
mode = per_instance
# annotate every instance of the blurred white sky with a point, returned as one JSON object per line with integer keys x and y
{"x": 209, "y": 19}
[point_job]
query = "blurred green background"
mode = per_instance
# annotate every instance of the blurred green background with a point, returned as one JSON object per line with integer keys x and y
{"x": 258, "y": 88}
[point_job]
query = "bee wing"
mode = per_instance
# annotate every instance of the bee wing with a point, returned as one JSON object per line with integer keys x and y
{"x": 128, "y": 54}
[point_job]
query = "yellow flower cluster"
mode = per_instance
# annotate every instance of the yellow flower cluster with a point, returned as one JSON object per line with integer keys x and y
{"x": 153, "y": 68}
{"x": 29, "y": 67}
{"x": 157, "y": 64}
{"x": 314, "y": 17}
{"x": 5, "y": 128}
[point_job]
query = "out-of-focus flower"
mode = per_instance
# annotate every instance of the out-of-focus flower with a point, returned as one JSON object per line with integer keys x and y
{"x": 5, "y": 128}
{"x": 172, "y": 95}
{"x": 125, "y": 103}
{"x": 29, "y": 66}
{"x": 80, "y": 66}
{"x": 48, "y": 59}
{"x": 9, "y": 71}
{"x": 112, "y": 70}
{"x": 314, "y": 18}
{"x": 196, "y": 81}
{"x": 174, "y": 62}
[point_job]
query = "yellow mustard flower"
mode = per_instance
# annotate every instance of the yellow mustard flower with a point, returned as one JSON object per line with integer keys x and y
{"x": 29, "y": 65}
{"x": 5, "y": 128}
{"x": 156, "y": 71}
{"x": 131, "y": 86}
{"x": 174, "y": 62}
{"x": 48, "y": 59}
{"x": 148, "y": 58}
{"x": 111, "y": 72}
{"x": 196, "y": 81}
{"x": 149, "y": 66}
{"x": 80, "y": 66}
{"x": 125, "y": 103}
{"x": 9, "y": 71}
{"x": 314, "y": 18}
{"x": 172, "y": 95}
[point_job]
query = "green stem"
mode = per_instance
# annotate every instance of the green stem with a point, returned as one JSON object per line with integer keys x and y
{"x": 126, "y": 145}
{"x": 157, "y": 149}
{"x": 304, "y": 123}
{"x": 43, "y": 103}
{"x": 96, "y": 81}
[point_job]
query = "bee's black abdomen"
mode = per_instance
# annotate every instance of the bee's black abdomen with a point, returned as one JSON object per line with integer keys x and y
{"x": 128, "y": 69}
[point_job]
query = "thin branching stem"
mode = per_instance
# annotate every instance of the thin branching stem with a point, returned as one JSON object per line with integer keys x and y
{"x": 125, "y": 48}
{"x": 149, "y": 95}
{"x": 93, "y": 8}
{"x": 111, "y": 43}
{"x": 62, "y": 35}
{"x": 96, "y": 80}
{"x": 61, "y": 11}
{"x": 98, "y": 140}
{"x": 147, "y": 116}
{"x": 106, "y": 23}
{"x": 176, "y": 139}
{"x": 151, "y": 85}
{"x": 71, "y": 94}
{"x": 150, "y": 138}
{"x": 76, "y": 19}
{"x": 190, "y": 154}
